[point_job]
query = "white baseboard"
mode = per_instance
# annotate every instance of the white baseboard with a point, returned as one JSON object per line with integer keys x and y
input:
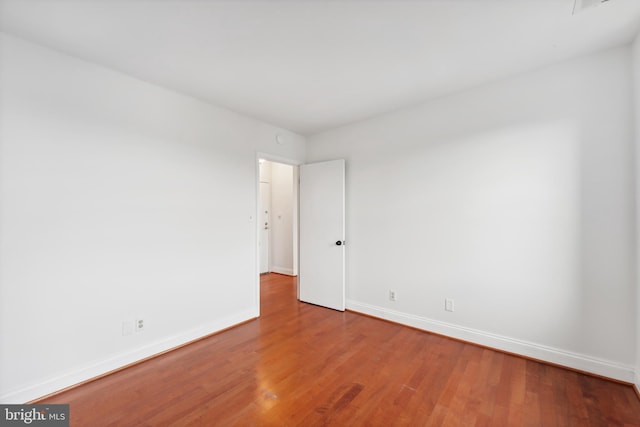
{"x": 102, "y": 367}
{"x": 282, "y": 270}
{"x": 552, "y": 355}
{"x": 556, "y": 356}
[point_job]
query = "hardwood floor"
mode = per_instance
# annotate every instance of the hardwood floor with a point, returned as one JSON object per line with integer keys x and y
{"x": 299, "y": 364}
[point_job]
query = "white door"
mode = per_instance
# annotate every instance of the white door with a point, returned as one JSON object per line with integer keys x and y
{"x": 322, "y": 234}
{"x": 264, "y": 215}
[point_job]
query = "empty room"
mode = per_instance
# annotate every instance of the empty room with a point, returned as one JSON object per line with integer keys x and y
{"x": 301, "y": 213}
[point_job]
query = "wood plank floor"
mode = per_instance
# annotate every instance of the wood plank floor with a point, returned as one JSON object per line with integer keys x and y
{"x": 302, "y": 365}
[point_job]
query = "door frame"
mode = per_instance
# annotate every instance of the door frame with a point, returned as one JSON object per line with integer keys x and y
{"x": 296, "y": 217}
{"x": 261, "y": 219}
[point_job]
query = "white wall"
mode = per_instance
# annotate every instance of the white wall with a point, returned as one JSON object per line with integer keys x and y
{"x": 119, "y": 199}
{"x": 516, "y": 200}
{"x": 282, "y": 218}
{"x": 636, "y": 92}
{"x": 265, "y": 171}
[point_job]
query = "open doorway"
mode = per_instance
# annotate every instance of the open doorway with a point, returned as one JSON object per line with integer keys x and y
{"x": 278, "y": 218}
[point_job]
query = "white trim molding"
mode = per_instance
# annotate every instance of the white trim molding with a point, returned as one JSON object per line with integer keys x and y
{"x": 540, "y": 352}
{"x": 102, "y": 367}
{"x": 282, "y": 270}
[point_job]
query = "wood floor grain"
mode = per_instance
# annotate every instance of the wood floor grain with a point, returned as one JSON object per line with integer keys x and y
{"x": 302, "y": 365}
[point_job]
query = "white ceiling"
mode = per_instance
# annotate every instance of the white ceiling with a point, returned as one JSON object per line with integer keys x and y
{"x": 312, "y": 65}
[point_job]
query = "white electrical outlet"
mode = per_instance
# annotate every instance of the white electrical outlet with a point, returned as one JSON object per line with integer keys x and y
{"x": 139, "y": 324}
{"x": 392, "y": 295}
{"x": 127, "y": 327}
{"x": 448, "y": 304}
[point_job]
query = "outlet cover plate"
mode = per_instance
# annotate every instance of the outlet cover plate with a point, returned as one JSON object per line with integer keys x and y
{"x": 448, "y": 304}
